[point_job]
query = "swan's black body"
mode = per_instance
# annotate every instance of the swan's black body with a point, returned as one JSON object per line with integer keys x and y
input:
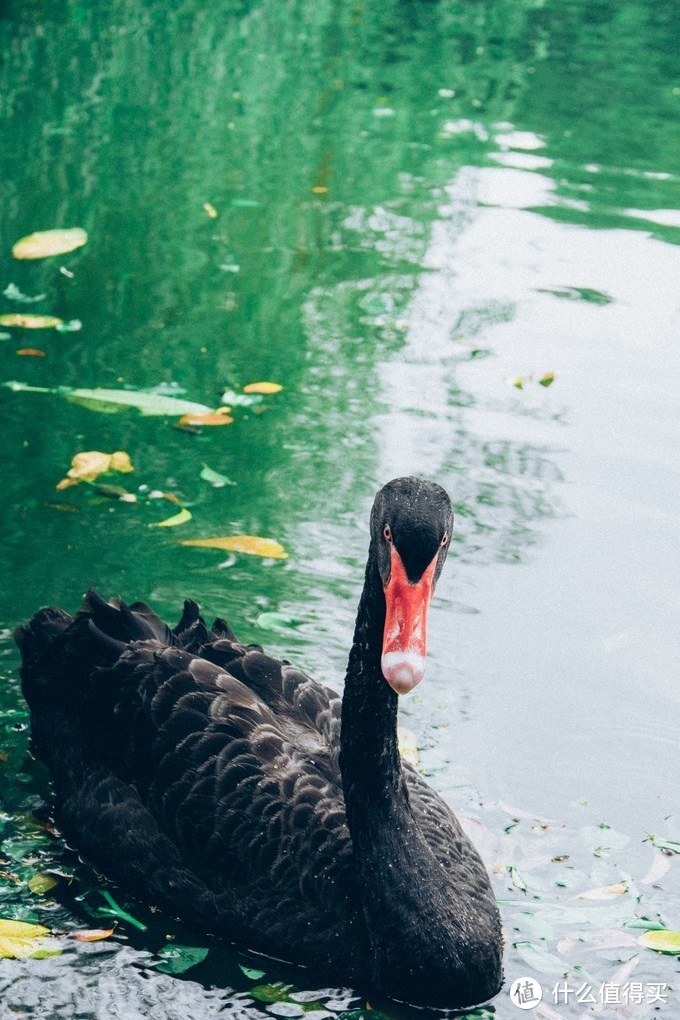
{"x": 233, "y": 790}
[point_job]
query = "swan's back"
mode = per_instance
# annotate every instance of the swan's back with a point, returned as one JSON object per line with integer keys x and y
{"x": 209, "y": 766}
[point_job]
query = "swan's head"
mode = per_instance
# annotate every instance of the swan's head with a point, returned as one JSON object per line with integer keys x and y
{"x": 411, "y": 525}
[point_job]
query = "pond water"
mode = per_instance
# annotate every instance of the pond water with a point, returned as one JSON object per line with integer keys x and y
{"x": 449, "y": 230}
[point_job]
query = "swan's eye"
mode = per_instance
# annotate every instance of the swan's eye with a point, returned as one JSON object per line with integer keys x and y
{"x": 387, "y": 533}
{"x": 444, "y": 539}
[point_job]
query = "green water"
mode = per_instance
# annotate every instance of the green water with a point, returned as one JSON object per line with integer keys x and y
{"x": 417, "y": 203}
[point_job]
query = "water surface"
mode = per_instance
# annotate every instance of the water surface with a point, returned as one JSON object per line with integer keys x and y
{"x": 418, "y": 207}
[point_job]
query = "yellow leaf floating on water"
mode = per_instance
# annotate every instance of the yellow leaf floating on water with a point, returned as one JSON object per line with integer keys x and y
{"x": 93, "y": 934}
{"x": 605, "y": 892}
{"x": 18, "y": 939}
{"x": 30, "y": 321}
{"x": 87, "y": 466}
{"x": 44, "y": 243}
{"x": 31, "y": 352}
{"x": 21, "y": 929}
{"x": 242, "y": 543}
{"x": 262, "y": 387}
{"x": 661, "y": 941}
{"x": 171, "y": 522}
{"x": 218, "y": 417}
{"x": 210, "y": 210}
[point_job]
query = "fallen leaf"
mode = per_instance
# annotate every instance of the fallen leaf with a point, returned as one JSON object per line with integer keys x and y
{"x": 21, "y": 929}
{"x": 218, "y": 417}
{"x": 665, "y": 844}
{"x": 547, "y": 380}
{"x": 660, "y": 865}
{"x": 106, "y": 401}
{"x": 44, "y": 243}
{"x": 211, "y": 210}
{"x": 12, "y": 292}
{"x": 516, "y": 812}
{"x": 93, "y": 934}
{"x": 30, "y": 321}
{"x": 242, "y": 543}
{"x": 605, "y": 892}
{"x": 87, "y": 466}
{"x": 252, "y": 972}
{"x": 541, "y": 960}
{"x": 31, "y": 352}
{"x": 176, "y": 959}
{"x": 171, "y": 522}
{"x": 262, "y": 387}
{"x": 19, "y": 939}
{"x": 42, "y": 883}
{"x": 214, "y": 477}
{"x": 661, "y": 941}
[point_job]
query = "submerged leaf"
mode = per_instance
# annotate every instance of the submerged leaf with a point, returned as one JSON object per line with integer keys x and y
{"x": 252, "y": 972}
{"x": 30, "y": 321}
{"x": 218, "y": 417}
{"x": 241, "y": 399}
{"x": 665, "y": 844}
{"x": 12, "y": 292}
{"x": 661, "y": 941}
{"x": 242, "y": 543}
{"x": 106, "y": 401}
{"x": 31, "y": 352}
{"x": 42, "y": 882}
{"x": 605, "y": 892}
{"x": 87, "y": 466}
{"x": 262, "y": 387}
{"x": 44, "y": 243}
{"x": 176, "y": 959}
{"x": 171, "y": 522}
{"x": 146, "y": 402}
{"x": 541, "y": 960}
{"x": 215, "y": 478}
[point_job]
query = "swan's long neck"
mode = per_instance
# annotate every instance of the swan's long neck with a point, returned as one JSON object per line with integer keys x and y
{"x": 369, "y": 752}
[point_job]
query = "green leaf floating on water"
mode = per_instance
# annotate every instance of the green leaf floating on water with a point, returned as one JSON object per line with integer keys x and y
{"x": 176, "y": 959}
{"x": 661, "y": 941}
{"x": 665, "y": 844}
{"x": 109, "y": 401}
{"x": 251, "y": 972}
{"x": 215, "y": 478}
{"x": 642, "y": 922}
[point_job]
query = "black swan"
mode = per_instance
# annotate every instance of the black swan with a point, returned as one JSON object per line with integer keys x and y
{"x": 232, "y": 790}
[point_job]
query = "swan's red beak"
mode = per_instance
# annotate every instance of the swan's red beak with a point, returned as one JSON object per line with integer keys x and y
{"x": 405, "y": 637}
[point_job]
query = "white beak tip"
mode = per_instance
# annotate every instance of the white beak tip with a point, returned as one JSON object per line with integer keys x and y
{"x": 403, "y": 670}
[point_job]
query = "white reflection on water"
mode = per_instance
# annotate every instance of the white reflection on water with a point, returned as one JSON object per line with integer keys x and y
{"x": 572, "y": 660}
